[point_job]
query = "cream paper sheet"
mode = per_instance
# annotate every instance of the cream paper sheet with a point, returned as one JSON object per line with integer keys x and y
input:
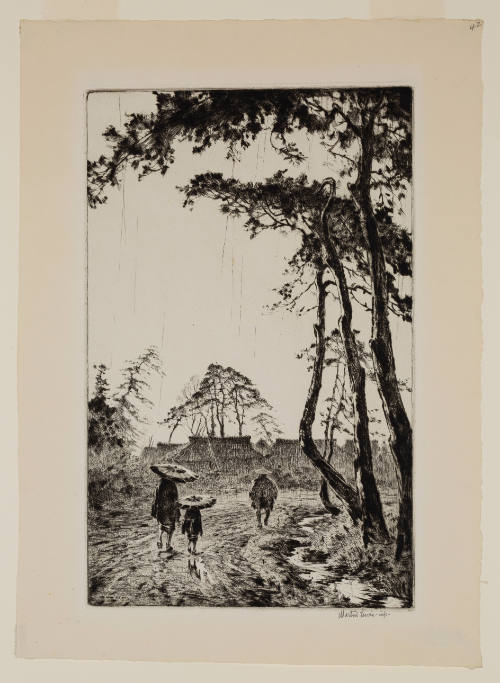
{"x": 441, "y": 59}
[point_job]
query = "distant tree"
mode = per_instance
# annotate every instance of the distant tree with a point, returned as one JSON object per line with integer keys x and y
{"x": 267, "y": 427}
{"x": 101, "y": 382}
{"x": 103, "y": 430}
{"x": 190, "y": 388}
{"x": 244, "y": 398}
{"x": 177, "y": 415}
{"x": 214, "y": 394}
{"x": 188, "y": 411}
{"x": 131, "y": 397}
{"x": 223, "y": 395}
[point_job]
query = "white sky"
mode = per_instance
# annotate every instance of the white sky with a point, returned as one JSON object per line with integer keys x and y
{"x": 193, "y": 283}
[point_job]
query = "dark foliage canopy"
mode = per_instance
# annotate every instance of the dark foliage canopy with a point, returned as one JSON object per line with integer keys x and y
{"x": 236, "y": 117}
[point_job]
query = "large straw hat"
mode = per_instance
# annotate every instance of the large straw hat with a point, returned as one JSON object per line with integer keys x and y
{"x": 174, "y": 472}
{"x": 197, "y": 501}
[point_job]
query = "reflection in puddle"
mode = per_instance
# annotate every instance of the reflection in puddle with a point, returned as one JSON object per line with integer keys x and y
{"x": 352, "y": 590}
{"x": 197, "y": 569}
{"x": 311, "y": 571}
{"x": 392, "y": 602}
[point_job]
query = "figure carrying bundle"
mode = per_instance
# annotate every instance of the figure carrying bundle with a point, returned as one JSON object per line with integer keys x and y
{"x": 263, "y": 495}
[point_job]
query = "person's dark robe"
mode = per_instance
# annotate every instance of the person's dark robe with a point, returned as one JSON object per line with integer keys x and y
{"x": 192, "y": 523}
{"x": 264, "y": 492}
{"x": 165, "y": 505}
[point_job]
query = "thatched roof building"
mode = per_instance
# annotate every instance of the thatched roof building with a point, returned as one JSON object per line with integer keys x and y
{"x": 235, "y": 455}
{"x": 154, "y": 454}
{"x": 285, "y": 455}
{"x": 231, "y": 454}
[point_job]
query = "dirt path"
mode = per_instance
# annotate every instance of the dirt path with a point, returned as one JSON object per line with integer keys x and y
{"x": 238, "y": 564}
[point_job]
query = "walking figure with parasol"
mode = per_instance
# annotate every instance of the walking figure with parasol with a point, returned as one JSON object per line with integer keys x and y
{"x": 165, "y": 508}
{"x": 192, "y": 525}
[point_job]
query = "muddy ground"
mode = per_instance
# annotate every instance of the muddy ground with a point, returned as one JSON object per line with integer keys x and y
{"x": 290, "y": 563}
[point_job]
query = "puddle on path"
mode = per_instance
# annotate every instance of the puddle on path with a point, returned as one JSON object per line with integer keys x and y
{"x": 314, "y": 567}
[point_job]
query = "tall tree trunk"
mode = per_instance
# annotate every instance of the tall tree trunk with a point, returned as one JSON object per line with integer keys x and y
{"x": 329, "y": 448}
{"x": 344, "y": 490}
{"x": 328, "y": 416}
{"x": 212, "y": 419}
{"x": 323, "y": 490}
{"x": 381, "y": 346}
{"x": 219, "y": 414}
{"x": 239, "y": 415}
{"x": 222, "y": 420}
{"x": 325, "y": 499}
{"x": 374, "y": 527}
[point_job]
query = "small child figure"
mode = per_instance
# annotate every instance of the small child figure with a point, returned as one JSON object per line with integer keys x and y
{"x": 191, "y": 526}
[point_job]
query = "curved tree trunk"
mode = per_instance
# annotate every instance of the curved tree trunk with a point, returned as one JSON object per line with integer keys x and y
{"x": 374, "y": 527}
{"x": 344, "y": 490}
{"x": 325, "y": 499}
{"x": 382, "y": 351}
{"x": 172, "y": 432}
{"x": 323, "y": 490}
